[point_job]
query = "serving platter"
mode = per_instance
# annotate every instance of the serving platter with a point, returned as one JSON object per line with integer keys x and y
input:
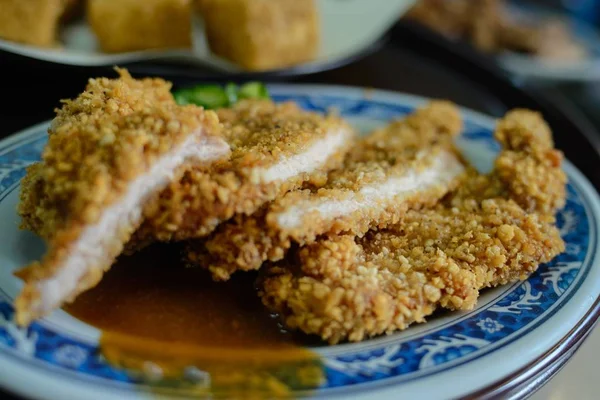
{"x": 340, "y": 42}
{"x": 513, "y": 328}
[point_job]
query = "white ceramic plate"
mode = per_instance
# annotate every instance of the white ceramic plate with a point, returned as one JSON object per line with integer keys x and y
{"x": 348, "y": 27}
{"x": 449, "y": 357}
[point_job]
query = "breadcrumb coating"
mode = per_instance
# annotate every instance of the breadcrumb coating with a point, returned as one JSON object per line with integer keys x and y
{"x": 87, "y": 168}
{"x": 486, "y": 233}
{"x": 101, "y": 97}
{"x": 117, "y": 97}
{"x": 270, "y": 146}
{"x": 529, "y": 165}
{"x": 405, "y": 150}
{"x": 37, "y": 215}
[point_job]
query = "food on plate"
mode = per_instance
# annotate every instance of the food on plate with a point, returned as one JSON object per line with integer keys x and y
{"x": 275, "y": 148}
{"x": 491, "y": 230}
{"x": 408, "y": 164}
{"x": 493, "y": 27}
{"x": 352, "y": 238}
{"x": 255, "y": 34}
{"x": 109, "y": 152}
{"x": 102, "y": 96}
{"x": 33, "y": 22}
{"x": 262, "y": 34}
{"x": 215, "y": 96}
{"x": 129, "y": 25}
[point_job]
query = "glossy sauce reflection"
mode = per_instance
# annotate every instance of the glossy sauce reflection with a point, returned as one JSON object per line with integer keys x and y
{"x": 155, "y": 312}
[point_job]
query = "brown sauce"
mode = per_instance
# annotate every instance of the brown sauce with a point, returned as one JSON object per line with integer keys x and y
{"x": 154, "y": 311}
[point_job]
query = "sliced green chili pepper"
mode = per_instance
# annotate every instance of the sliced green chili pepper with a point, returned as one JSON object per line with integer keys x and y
{"x": 231, "y": 90}
{"x": 253, "y": 90}
{"x": 215, "y": 96}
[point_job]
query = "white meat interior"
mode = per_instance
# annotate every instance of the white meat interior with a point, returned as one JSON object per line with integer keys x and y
{"x": 309, "y": 160}
{"x": 442, "y": 171}
{"x": 92, "y": 249}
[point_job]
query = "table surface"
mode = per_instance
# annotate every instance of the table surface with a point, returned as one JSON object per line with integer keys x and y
{"x": 30, "y": 94}
{"x": 578, "y": 380}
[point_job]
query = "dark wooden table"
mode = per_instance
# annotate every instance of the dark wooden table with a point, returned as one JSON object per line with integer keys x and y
{"x": 410, "y": 62}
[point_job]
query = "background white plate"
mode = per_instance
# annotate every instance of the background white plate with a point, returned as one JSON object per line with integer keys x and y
{"x": 535, "y": 68}
{"x": 348, "y": 27}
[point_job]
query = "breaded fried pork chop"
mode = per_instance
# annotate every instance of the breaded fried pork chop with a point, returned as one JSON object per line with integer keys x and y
{"x": 492, "y": 230}
{"x": 98, "y": 171}
{"x": 408, "y": 164}
{"x": 102, "y": 96}
{"x": 275, "y": 148}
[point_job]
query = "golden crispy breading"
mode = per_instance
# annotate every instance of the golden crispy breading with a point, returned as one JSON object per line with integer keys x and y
{"x": 406, "y": 149}
{"x": 344, "y": 291}
{"x": 262, "y": 34}
{"x": 36, "y": 214}
{"x": 85, "y": 174}
{"x": 270, "y": 145}
{"x": 351, "y": 288}
{"x": 529, "y": 165}
{"x": 129, "y": 25}
{"x": 33, "y": 22}
{"x": 95, "y": 176}
{"x": 114, "y": 96}
{"x": 102, "y": 97}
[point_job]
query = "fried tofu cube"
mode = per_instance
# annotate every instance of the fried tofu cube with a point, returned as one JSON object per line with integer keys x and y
{"x": 261, "y": 34}
{"x": 32, "y": 22}
{"x": 129, "y": 25}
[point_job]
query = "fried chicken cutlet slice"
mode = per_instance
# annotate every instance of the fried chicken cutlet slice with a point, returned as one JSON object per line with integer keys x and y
{"x": 494, "y": 229}
{"x": 102, "y": 96}
{"x": 98, "y": 172}
{"x": 275, "y": 148}
{"x": 407, "y": 164}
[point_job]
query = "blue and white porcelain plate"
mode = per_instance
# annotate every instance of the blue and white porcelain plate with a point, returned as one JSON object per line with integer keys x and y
{"x": 448, "y": 357}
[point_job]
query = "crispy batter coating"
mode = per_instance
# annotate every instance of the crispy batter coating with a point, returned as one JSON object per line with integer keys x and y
{"x": 86, "y": 170}
{"x": 486, "y": 233}
{"x": 270, "y": 146}
{"x": 406, "y": 147}
{"x": 120, "y": 97}
{"x": 36, "y": 215}
{"x": 529, "y": 165}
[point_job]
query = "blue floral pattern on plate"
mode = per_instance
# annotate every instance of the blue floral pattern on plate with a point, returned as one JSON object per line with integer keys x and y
{"x": 400, "y": 357}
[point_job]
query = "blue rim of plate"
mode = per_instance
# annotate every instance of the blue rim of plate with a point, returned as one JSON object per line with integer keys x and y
{"x": 514, "y": 312}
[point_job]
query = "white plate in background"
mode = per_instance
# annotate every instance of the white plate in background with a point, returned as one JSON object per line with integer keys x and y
{"x": 348, "y": 27}
{"x": 531, "y": 67}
